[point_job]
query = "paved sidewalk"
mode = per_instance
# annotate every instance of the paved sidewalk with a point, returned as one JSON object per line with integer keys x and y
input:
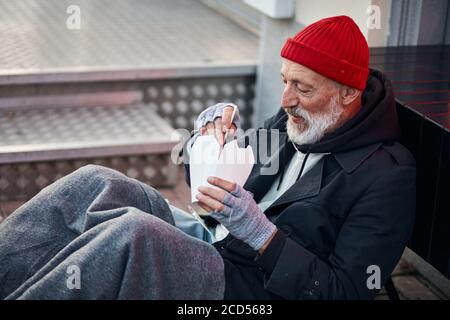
{"x": 411, "y": 285}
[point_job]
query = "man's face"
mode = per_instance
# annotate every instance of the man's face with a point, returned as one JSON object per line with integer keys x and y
{"x": 311, "y": 101}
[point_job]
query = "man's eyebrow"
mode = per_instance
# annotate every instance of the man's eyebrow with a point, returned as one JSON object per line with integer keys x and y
{"x": 305, "y": 84}
{"x": 299, "y": 81}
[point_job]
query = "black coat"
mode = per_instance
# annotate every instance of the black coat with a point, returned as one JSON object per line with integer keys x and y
{"x": 352, "y": 210}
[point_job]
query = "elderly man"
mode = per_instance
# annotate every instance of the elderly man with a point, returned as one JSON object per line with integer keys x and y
{"x": 332, "y": 223}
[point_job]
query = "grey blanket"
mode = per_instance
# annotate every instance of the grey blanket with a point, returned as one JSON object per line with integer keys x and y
{"x": 97, "y": 234}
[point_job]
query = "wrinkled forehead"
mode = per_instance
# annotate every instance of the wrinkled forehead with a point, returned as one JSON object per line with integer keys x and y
{"x": 297, "y": 72}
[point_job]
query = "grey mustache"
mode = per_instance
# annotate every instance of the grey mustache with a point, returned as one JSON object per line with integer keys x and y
{"x": 294, "y": 111}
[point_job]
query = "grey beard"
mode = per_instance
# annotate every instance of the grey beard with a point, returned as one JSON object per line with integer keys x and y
{"x": 316, "y": 126}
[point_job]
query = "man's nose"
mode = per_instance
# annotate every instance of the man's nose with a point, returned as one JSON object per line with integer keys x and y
{"x": 288, "y": 99}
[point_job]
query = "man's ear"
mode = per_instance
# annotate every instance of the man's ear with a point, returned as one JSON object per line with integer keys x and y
{"x": 349, "y": 95}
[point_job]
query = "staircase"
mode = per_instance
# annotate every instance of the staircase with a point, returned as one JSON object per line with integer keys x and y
{"x": 113, "y": 92}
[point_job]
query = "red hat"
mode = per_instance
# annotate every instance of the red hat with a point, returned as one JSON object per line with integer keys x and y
{"x": 333, "y": 47}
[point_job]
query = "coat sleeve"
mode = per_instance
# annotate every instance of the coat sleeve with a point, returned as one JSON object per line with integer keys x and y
{"x": 373, "y": 235}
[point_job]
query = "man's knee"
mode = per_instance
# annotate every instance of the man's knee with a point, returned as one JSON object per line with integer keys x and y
{"x": 84, "y": 185}
{"x": 136, "y": 224}
{"x": 92, "y": 170}
{"x": 91, "y": 177}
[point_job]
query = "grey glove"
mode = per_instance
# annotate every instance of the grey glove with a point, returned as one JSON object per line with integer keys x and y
{"x": 244, "y": 219}
{"x": 216, "y": 111}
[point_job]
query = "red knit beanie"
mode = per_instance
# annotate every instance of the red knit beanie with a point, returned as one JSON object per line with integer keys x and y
{"x": 333, "y": 47}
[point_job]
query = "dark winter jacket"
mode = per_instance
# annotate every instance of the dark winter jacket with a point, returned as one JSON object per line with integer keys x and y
{"x": 342, "y": 221}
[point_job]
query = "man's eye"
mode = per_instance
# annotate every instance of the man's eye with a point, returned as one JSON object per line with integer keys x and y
{"x": 302, "y": 90}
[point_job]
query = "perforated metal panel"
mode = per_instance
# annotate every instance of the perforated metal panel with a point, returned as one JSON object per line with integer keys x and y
{"x": 179, "y": 101}
{"x": 21, "y": 181}
{"x": 39, "y": 146}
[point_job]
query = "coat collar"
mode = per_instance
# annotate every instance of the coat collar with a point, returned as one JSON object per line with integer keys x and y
{"x": 260, "y": 178}
{"x": 310, "y": 184}
{"x": 350, "y": 160}
{"x": 307, "y": 186}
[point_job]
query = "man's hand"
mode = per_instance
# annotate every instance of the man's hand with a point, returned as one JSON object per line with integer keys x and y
{"x": 236, "y": 209}
{"x": 217, "y": 120}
